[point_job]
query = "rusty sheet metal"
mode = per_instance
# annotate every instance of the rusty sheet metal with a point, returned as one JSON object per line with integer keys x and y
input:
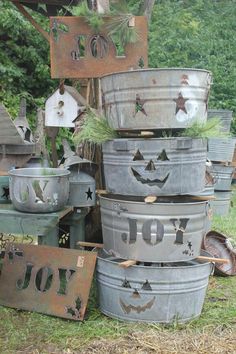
{"x": 50, "y": 280}
{"x": 77, "y": 52}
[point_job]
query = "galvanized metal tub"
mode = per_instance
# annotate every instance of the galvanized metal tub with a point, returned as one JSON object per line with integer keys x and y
{"x": 221, "y": 149}
{"x": 224, "y": 115}
{"x": 169, "y": 230}
{"x": 155, "y": 98}
{"x": 166, "y": 166}
{"x": 221, "y": 205}
{"x": 4, "y": 189}
{"x": 39, "y": 190}
{"x": 223, "y": 176}
{"x": 153, "y": 293}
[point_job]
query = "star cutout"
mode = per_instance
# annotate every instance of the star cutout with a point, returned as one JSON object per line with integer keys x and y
{"x": 89, "y": 194}
{"x": 139, "y": 103}
{"x": 180, "y": 103}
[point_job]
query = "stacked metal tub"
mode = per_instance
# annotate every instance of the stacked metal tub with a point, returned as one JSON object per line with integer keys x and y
{"x": 163, "y": 237}
{"x": 221, "y": 152}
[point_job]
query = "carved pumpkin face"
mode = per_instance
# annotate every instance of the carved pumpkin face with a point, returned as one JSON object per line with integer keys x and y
{"x": 136, "y": 301}
{"x": 150, "y": 174}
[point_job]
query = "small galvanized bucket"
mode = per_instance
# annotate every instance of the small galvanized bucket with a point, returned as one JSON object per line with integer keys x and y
{"x": 223, "y": 176}
{"x": 152, "y": 293}
{"x": 166, "y": 166}
{"x": 169, "y": 230}
{"x": 224, "y": 115}
{"x": 169, "y": 98}
{"x": 221, "y": 205}
{"x": 221, "y": 149}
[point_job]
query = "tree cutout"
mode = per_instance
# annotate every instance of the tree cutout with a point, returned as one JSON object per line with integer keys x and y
{"x": 150, "y": 166}
{"x": 163, "y": 156}
{"x": 146, "y": 286}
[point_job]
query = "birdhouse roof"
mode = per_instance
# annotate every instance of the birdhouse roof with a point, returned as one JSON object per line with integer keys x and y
{"x": 74, "y": 93}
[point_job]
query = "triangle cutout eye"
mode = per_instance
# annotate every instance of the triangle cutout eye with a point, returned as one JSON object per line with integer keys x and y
{"x": 138, "y": 156}
{"x": 126, "y": 284}
{"x": 150, "y": 166}
{"x": 146, "y": 286}
{"x": 163, "y": 156}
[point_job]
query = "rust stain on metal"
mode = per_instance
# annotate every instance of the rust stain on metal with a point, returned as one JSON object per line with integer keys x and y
{"x": 180, "y": 103}
{"x": 50, "y": 280}
{"x": 77, "y": 52}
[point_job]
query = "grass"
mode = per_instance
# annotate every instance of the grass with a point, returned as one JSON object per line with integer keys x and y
{"x": 213, "y": 332}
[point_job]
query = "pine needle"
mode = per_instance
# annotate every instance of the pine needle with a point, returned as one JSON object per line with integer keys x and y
{"x": 211, "y": 129}
{"x": 95, "y": 129}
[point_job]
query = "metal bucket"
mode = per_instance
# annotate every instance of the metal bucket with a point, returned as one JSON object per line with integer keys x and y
{"x": 39, "y": 190}
{"x": 4, "y": 189}
{"x": 166, "y": 166}
{"x": 221, "y": 205}
{"x": 169, "y": 230}
{"x": 155, "y": 98}
{"x": 152, "y": 293}
{"x": 223, "y": 176}
{"x": 224, "y": 115}
{"x": 82, "y": 190}
{"x": 221, "y": 149}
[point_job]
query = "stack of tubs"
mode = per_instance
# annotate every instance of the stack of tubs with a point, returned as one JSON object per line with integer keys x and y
{"x": 164, "y": 237}
{"x": 221, "y": 151}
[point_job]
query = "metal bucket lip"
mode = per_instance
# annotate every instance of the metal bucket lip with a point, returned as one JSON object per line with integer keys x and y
{"x": 138, "y": 266}
{"x": 22, "y": 172}
{"x": 157, "y": 69}
{"x": 173, "y": 138}
{"x": 215, "y": 110}
{"x": 121, "y": 198}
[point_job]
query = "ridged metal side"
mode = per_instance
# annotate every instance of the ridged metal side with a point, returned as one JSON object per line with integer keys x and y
{"x": 223, "y": 176}
{"x": 224, "y": 115}
{"x": 221, "y": 149}
{"x": 169, "y": 230}
{"x": 166, "y": 166}
{"x": 221, "y": 205}
{"x": 155, "y": 98}
{"x": 175, "y": 292}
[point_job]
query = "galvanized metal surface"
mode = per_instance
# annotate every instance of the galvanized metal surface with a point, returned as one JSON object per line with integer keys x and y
{"x": 169, "y": 230}
{"x": 221, "y": 205}
{"x": 8, "y": 131}
{"x": 4, "y": 189}
{"x": 152, "y": 293}
{"x": 51, "y": 280}
{"x": 156, "y": 98}
{"x": 82, "y": 190}
{"x": 166, "y": 166}
{"x": 77, "y": 52}
{"x": 223, "y": 176}
{"x": 221, "y": 149}
{"x": 225, "y": 116}
{"x": 219, "y": 246}
{"x": 39, "y": 190}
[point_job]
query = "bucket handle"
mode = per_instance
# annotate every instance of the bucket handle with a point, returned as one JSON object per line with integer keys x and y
{"x": 182, "y": 144}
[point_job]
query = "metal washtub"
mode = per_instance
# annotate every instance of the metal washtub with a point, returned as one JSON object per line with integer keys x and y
{"x": 169, "y": 230}
{"x": 153, "y": 293}
{"x": 39, "y": 190}
{"x": 221, "y": 149}
{"x": 223, "y": 176}
{"x": 221, "y": 205}
{"x": 165, "y": 166}
{"x": 170, "y": 98}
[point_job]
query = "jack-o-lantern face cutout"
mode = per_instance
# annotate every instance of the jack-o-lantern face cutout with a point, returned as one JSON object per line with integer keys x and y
{"x": 138, "y": 308}
{"x": 149, "y": 174}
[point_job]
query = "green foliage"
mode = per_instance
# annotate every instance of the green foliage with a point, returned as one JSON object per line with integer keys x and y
{"x": 94, "y": 19}
{"x": 94, "y": 129}
{"x": 208, "y": 129}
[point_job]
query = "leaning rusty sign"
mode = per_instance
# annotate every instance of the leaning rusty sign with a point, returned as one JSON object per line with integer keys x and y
{"x": 79, "y": 52}
{"x": 50, "y": 280}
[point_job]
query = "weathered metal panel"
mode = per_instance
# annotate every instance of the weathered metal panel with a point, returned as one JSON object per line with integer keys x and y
{"x": 55, "y": 281}
{"x": 166, "y": 166}
{"x": 169, "y": 230}
{"x": 221, "y": 149}
{"x": 221, "y": 205}
{"x": 223, "y": 176}
{"x": 39, "y": 190}
{"x": 225, "y": 116}
{"x": 155, "y": 98}
{"x": 78, "y": 52}
{"x": 152, "y": 293}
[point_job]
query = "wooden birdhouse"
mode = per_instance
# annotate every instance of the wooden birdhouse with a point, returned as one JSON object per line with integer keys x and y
{"x": 63, "y": 106}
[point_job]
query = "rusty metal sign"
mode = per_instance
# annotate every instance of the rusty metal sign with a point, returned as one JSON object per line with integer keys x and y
{"x": 50, "y": 280}
{"x": 78, "y": 52}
